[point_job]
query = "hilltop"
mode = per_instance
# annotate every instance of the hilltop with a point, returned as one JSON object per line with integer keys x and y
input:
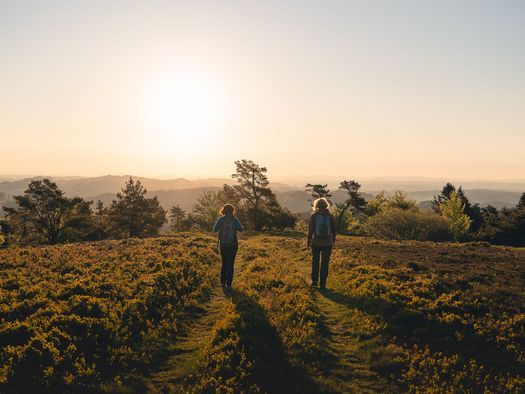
{"x": 148, "y": 315}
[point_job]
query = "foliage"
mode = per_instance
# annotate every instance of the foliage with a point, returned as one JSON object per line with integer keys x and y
{"x": 76, "y": 316}
{"x": 178, "y": 219}
{"x": 44, "y": 215}
{"x": 205, "y": 210}
{"x": 400, "y": 201}
{"x": 399, "y": 224}
{"x": 353, "y": 205}
{"x": 453, "y": 211}
{"x": 504, "y": 227}
{"x": 134, "y": 215}
{"x": 270, "y": 329}
{"x": 253, "y": 188}
{"x": 457, "y": 322}
{"x": 473, "y": 211}
{"x": 276, "y": 217}
{"x": 101, "y": 224}
{"x": 318, "y": 191}
{"x": 376, "y": 204}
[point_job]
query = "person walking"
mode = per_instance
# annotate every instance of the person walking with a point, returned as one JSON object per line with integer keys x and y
{"x": 227, "y": 226}
{"x": 321, "y": 238}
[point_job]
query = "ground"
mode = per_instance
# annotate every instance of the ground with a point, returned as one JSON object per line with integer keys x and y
{"x": 150, "y": 316}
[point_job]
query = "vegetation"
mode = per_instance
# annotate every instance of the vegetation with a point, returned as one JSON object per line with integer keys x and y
{"x": 84, "y": 316}
{"x": 351, "y": 207}
{"x": 134, "y": 215}
{"x": 398, "y": 317}
{"x": 412, "y": 224}
{"x": 318, "y": 191}
{"x": 44, "y": 214}
{"x": 177, "y": 218}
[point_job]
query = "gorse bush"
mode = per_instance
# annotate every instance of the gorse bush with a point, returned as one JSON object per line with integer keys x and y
{"x": 401, "y": 224}
{"x": 78, "y": 316}
{"x": 271, "y": 328}
{"x": 458, "y": 323}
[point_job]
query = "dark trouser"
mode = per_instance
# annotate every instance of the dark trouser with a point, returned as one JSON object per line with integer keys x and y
{"x": 228, "y": 254}
{"x": 323, "y": 253}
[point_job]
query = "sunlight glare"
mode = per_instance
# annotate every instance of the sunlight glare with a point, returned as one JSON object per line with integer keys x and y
{"x": 184, "y": 113}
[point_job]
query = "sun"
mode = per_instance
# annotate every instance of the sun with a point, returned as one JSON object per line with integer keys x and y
{"x": 185, "y": 112}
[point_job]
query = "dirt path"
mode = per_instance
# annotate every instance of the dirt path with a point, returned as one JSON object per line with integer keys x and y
{"x": 348, "y": 370}
{"x": 187, "y": 351}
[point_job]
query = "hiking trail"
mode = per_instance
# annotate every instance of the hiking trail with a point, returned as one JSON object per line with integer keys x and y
{"x": 349, "y": 368}
{"x": 188, "y": 347}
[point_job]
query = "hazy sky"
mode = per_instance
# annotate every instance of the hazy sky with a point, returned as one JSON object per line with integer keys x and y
{"x": 354, "y": 88}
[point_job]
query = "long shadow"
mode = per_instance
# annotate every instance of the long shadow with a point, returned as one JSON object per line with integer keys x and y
{"x": 416, "y": 327}
{"x": 263, "y": 346}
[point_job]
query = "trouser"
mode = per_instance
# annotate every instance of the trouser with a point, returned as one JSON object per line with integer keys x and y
{"x": 228, "y": 254}
{"x": 320, "y": 253}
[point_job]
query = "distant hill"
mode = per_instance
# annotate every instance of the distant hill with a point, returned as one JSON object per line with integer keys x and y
{"x": 484, "y": 197}
{"x": 85, "y": 187}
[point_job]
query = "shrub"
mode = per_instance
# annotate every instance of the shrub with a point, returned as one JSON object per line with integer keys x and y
{"x": 401, "y": 224}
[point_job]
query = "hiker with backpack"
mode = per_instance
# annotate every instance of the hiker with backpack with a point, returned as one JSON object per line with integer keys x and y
{"x": 321, "y": 238}
{"x": 227, "y": 225}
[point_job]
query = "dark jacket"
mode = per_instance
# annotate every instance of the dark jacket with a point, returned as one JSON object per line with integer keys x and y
{"x": 236, "y": 224}
{"x": 312, "y": 239}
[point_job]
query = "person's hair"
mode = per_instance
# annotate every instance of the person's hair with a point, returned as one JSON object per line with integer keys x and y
{"x": 320, "y": 203}
{"x": 227, "y": 209}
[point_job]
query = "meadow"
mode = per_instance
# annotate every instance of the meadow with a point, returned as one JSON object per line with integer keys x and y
{"x": 148, "y": 315}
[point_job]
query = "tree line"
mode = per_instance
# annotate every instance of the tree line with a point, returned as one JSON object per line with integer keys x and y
{"x": 44, "y": 215}
{"x": 451, "y": 217}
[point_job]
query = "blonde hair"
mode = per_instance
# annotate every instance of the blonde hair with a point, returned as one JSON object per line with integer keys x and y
{"x": 227, "y": 209}
{"x": 320, "y": 203}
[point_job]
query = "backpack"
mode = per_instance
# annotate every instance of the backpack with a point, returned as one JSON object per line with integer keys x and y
{"x": 227, "y": 232}
{"x": 322, "y": 226}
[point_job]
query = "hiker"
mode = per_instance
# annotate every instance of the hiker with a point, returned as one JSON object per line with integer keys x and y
{"x": 321, "y": 237}
{"x": 227, "y": 226}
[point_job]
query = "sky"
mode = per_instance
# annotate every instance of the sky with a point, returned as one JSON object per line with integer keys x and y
{"x": 364, "y": 88}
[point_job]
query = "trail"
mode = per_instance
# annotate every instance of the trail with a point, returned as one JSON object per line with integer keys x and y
{"x": 187, "y": 350}
{"x": 348, "y": 370}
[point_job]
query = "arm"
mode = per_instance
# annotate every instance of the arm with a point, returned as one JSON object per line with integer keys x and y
{"x": 239, "y": 225}
{"x": 310, "y": 231}
{"x": 217, "y": 225}
{"x": 333, "y": 228}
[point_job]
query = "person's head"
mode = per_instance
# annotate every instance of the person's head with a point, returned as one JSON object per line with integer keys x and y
{"x": 320, "y": 204}
{"x": 227, "y": 209}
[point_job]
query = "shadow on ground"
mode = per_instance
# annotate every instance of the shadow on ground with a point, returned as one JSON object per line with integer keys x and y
{"x": 274, "y": 372}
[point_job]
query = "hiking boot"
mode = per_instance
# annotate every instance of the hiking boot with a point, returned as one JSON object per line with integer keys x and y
{"x": 313, "y": 284}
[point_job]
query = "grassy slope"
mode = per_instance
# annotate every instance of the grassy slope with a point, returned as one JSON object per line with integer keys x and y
{"x": 407, "y": 316}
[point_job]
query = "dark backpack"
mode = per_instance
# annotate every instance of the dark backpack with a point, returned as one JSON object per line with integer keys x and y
{"x": 322, "y": 226}
{"x": 227, "y": 232}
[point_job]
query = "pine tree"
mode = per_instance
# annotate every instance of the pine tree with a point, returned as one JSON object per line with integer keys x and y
{"x": 354, "y": 204}
{"x": 43, "y": 213}
{"x": 453, "y": 210}
{"x": 177, "y": 216}
{"x": 134, "y": 215}
{"x": 317, "y": 191}
{"x": 253, "y": 188}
